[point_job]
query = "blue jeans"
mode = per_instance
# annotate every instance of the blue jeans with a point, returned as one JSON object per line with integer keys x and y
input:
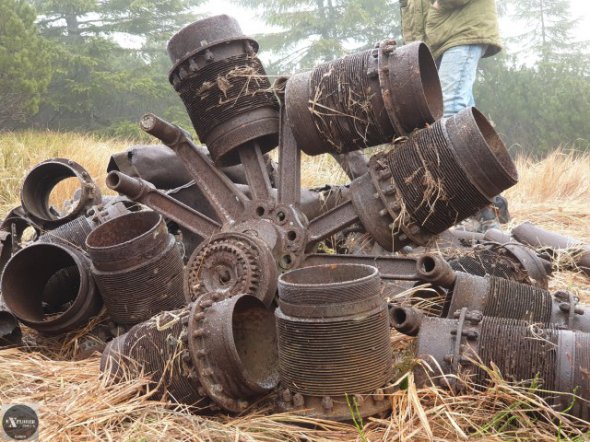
{"x": 457, "y": 69}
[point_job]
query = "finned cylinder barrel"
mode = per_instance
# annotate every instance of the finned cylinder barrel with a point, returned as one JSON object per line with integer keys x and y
{"x": 433, "y": 180}
{"x": 224, "y": 87}
{"x": 364, "y": 99}
{"x": 334, "y": 345}
{"x": 137, "y": 266}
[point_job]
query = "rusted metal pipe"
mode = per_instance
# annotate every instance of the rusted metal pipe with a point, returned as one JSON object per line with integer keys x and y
{"x": 534, "y": 236}
{"x": 144, "y": 192}
{"x": 405, "y": 320}
{"x": 137, "y": 266}
{"x": 49, "y": 287}
{"x": 333, "y": 338}
{"x": 224, "y": 87}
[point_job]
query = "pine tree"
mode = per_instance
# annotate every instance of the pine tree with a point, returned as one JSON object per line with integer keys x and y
{"x": 24, "y": 67}
{"x": 110, "y": 61}
{"x": 308, "y": 32}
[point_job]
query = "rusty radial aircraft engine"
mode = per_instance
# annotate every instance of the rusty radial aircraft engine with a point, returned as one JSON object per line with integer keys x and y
{"x": 253, "y": 237}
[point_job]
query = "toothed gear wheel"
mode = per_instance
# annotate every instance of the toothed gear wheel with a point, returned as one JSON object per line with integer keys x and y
{"x": 232, "y": 264}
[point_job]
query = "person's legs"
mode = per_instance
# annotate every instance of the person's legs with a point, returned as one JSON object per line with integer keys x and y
{"x": 457, "y": 71}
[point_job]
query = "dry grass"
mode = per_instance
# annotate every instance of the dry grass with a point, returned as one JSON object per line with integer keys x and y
{"x": 76, "y": 403}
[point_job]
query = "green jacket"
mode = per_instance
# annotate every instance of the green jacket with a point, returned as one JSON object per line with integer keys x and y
{"x": 456, "y": 22}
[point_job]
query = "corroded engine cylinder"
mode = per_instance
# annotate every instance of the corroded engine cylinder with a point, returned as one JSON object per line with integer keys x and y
{"x": 499, "y": 297}
{"x": 158, "y": 349}
{"x": 233, "y": 346}
{"x": 137, "y": 266}
{"x": 41, "y": 181}
{"x": 224, "y": 87}
{"x": 75, "y": 232}
{"x": 49, "y": 287}
{"x": 553, "y": 359}
{"x": 333, "y": 332}
{"x": 364, "y": 99}
{"x": 432, "y": 180}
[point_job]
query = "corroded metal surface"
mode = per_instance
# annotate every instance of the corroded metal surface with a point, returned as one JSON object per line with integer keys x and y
{"x": 137, "y": 266}
{"x": 158, "y": 349}
{"x": 232, "y": 264}
{"x": 335, "y": 344}
{"x": 61, "y": 296}
{"x": 10, "y": 332}
{"x": 550, "y": 358}
{"x": 363, "y": 99}
{"x": 534, "y": 236}
{"x": 498, "y": 297}
{"x": 224, "y": 87}
{"x": 42, "y": 179}
{"x": 233, "y": 346}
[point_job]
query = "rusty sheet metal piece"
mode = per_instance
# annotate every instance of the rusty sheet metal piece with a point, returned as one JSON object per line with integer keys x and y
{"x": 49, "y": 287}
{"x": 40, "y": 182}
{"x": 157, "y": 348}
{"x": 164, "y": 169}
{"x": 497, "y": 297}
{"x": 433, "y": 180}
{"x": 364, "y": 99}
{"x": 552, "y": 359}
{"x": 537, "y": 269}
{"x": 232, "y": 264}
{"x": 528, "y": 233}
{"x": 10, "y": 332}
{"x": 289, "y": 184}
{"x": 225, "y": 198}
{"x": 233, "y": 346}
{"x": 224, "y": 87}
{"x": 137, "y": 266}
{"x": 333, "y": 338}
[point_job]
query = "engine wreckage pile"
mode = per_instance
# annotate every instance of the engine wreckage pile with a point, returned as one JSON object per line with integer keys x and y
{"x": 208, "y": 262}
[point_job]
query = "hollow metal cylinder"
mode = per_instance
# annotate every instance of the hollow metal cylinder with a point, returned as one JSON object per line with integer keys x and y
{"x": 233, "y": 346}
{"x": 137, "y": 266}
{"x": 224, "y": 87}
{"x": 433, "y": 180}
{"x": 158, "y": 349}
{"x": 40, "y": 182}
{"x": 333, "y": 345}
{"x": 364, "y": 99}
{"x": 49, "y": 287}
{"x": 555, "y": 360}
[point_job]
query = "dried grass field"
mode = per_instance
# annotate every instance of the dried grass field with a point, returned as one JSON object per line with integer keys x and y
{"x": 76, "y": 404}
